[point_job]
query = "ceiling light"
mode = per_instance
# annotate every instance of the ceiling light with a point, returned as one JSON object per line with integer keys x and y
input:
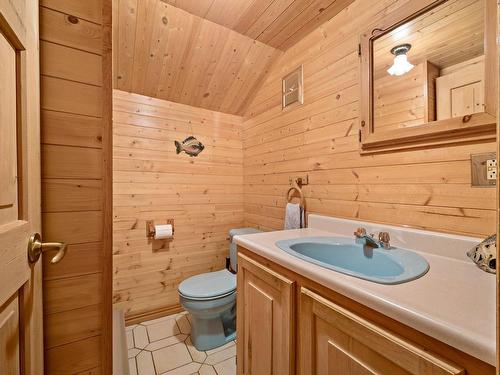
{"x": 401, "y": 65}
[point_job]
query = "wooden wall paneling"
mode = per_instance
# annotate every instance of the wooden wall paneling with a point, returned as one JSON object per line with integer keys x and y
{"x": 74, "y": 195}
{"x": 155, "y": 107}
{"x": 68, "y": 30}
{"x": 81, "y": 259}
{"x": 70, "y": 64}
{"x": 427, "y": 188}
{"x": 90, "y": 10}
{"x": 71, "y": 326}
{"x": 72, "y": 293}
{"x": 398, "y": 101}
{"x": 75, "y": 47}
{"x": 84, "y": 131}
{"x": 71, "y": 162}
{"x": 73, "y": 357}
{"x": 71, "y": 97}
{"x": 204, "y": 195}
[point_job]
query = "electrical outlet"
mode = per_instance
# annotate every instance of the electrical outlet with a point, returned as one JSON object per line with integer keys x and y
{"x": 491, "y": 169}
{"x": 484, "y": 169}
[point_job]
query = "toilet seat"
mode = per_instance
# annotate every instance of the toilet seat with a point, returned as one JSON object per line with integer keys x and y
{"x": 208, "y": 286}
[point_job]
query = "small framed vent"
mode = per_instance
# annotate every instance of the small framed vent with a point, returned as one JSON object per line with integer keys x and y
{"x": 293, "y": 88}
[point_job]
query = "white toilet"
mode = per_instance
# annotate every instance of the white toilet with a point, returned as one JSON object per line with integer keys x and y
{"x": 210, "y": 298}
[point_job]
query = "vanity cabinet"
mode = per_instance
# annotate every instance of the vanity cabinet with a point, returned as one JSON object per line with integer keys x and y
{"x": 289, "y": 324}
{"x": 265, "y": 320}
{"x": 334, "y": 340}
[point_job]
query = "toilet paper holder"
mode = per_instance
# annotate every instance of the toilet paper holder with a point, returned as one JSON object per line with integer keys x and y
{"x": 150, "y": 228}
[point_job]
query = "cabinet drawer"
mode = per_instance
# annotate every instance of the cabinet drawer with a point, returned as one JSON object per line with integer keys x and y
{"x": 334, "y": 341}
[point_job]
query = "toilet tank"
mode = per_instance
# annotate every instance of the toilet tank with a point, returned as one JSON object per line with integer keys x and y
{"x": 233, "y": 258}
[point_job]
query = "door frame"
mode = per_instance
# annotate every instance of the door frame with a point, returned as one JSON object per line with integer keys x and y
{"x": 497, "y": 206}
{"x": 22, "y": 31}
{"x": 107, "y": 181}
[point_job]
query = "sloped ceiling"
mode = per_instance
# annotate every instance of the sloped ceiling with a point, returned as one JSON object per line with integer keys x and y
{"x": 165, "y": 52}
{"x": 211, "y": 54}
{"x": 278, "y": 23}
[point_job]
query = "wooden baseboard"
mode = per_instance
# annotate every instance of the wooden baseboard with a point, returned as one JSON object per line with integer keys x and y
{"x": 155, "y": 314}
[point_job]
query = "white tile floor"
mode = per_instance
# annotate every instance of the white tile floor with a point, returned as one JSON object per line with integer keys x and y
{"x": 163, "y": 347}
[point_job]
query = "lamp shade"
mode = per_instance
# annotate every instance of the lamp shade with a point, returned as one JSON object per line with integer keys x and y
{"x": 401, "y": 64}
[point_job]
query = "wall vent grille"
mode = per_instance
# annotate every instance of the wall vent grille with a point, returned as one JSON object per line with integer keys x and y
{"x": 293, "y": 88}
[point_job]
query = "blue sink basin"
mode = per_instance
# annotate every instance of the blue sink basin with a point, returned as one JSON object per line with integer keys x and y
{"x": 394, "y": 266}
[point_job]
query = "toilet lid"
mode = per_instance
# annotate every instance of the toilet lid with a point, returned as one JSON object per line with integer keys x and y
{"x": 208, "y": 285}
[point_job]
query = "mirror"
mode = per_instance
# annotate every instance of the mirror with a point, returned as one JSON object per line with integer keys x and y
{"x": 426, "y": 71}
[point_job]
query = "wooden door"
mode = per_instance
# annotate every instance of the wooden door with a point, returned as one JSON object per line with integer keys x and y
{"x": 21, "y": 336}
{"x": 335, "y": 341}
{"x": 264, "y": 319}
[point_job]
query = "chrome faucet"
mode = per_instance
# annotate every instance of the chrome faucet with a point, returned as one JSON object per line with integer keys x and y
{"x": 369, "y": 240}
{"x": 384, "y": 240}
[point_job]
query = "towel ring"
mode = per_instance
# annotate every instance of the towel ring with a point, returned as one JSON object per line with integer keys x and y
{"x": 296, "y": 187}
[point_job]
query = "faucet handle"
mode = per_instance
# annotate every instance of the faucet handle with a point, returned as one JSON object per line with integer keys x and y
{"x": 360, "y": 232}
{"x": 384, "y": 238}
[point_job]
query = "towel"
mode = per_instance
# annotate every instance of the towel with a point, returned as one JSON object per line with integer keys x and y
{"x": 294, "y": 216}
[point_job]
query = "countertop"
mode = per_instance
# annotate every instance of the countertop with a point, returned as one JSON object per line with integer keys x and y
{"x": 453, "y": 303}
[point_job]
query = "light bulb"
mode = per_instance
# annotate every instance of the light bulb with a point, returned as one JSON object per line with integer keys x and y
{"x": 401, "y": 66}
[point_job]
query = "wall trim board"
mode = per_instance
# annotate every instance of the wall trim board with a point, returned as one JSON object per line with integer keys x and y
{"x": 107, "y": 184}
{"x": 154, "y": 314}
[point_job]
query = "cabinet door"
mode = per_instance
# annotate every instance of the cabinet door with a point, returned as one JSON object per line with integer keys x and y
{"x": 264, "y": 320}
{"x": 467, "y": 99}
{"x": 335, "y": 341}
{"x": 460, "y": 92}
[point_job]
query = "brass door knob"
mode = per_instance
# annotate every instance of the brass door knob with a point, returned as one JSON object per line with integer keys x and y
{"x": 36, "y": 247}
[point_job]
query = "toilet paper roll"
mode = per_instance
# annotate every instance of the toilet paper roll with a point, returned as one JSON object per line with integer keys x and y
{"x": 163, "y": 231}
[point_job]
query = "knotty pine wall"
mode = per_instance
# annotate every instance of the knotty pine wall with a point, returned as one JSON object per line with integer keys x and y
{"x": 75, "y": 62}
{"x": 204, "y": 195}
{"x": 427, "y": 188}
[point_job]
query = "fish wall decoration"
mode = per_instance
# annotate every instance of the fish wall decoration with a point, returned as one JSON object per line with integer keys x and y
{"x": 190, "y": 146}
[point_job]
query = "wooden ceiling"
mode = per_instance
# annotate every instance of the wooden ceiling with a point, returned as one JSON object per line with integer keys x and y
{"x": 207, "y": 53}
{"x": 165, "y": 52}
{"x": 451, "y": 33}
{"x": 278, "y": 23}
